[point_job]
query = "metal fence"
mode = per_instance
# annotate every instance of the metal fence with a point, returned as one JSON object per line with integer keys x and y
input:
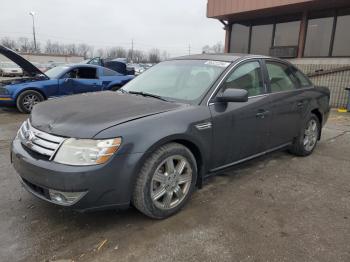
{"x": 329, "y": 75}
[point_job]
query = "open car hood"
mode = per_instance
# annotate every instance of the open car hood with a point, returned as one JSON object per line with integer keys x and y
{"x": 27, "y": 66}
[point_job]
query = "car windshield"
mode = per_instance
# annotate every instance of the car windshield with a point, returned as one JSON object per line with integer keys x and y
{"x": 56, "y": 71}
{"x": 179, "y": 80}
{"x": 9, "y": 65}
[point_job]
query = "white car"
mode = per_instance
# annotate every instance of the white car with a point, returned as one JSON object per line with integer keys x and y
{"x": 10, "y": 69}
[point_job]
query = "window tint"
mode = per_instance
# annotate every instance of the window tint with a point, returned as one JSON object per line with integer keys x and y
{"x": 342, "y": 37}
{"x": 280, "y": 77}
{"x": 239, "y": 39}
{"x": 82, "y": 73}
{"x": 287, "y": 34}
{"x": 318, "y": 38}
{"x": 302, "y": 79}
{"x": 261, "y": 39}
{"x": 108, "y": 72}
{"x": 248, "y": 77}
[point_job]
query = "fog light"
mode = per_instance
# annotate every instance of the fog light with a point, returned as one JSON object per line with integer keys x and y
{"x": 65, "y": 198}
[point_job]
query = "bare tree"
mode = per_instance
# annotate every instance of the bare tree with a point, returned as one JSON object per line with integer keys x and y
{"x": 9, "y": 43}
{"x": 84, "y": 50}
{"x": 154, "y": 56}
{"x": 217, "y": 48}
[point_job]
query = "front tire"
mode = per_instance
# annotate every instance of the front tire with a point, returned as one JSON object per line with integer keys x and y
{"x": 306, "y": 142}
{"x": 165, "y": 182}
{"x": 27, "y": 99}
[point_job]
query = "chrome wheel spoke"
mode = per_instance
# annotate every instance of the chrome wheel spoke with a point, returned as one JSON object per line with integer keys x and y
{"x": 180, "y": 167}
{"x": 158, "y": 193}
{"x": 167, "y": 199}
{"x": 178, "y": 192}
{"x": 170, "y": 165}
{"x": 184, "y": 178}
{"x": 159, "y": 177}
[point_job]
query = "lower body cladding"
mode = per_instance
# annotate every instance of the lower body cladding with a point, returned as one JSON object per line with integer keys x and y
{"x": 84, "y": 188}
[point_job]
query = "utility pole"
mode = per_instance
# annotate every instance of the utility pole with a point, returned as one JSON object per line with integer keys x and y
{"x": 32, "y": 15}
{"x": 132, "y": 50}
{"x": 189, "y": 49}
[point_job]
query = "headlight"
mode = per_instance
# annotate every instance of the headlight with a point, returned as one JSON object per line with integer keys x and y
{"x": 86, "y": 152}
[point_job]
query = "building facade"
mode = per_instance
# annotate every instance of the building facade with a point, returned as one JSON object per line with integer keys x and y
{"x": 313, "y": 34}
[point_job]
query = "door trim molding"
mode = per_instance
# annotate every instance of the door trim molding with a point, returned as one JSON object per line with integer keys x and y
{"x": 250, "y": 157}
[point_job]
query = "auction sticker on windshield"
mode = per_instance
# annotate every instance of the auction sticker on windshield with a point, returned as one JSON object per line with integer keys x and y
{"x": 217, "y": 63}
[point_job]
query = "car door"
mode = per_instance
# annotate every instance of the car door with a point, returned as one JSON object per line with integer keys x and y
{"x": 287, "y": 103}
{"x": 80, "y": 80}
{"x": 240, "y": 129}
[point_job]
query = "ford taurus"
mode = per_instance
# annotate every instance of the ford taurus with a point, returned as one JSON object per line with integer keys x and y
{"x": 154, "y": 141}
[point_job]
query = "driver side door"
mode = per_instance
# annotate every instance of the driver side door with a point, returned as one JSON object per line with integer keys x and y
{"x": 80, "y": 80}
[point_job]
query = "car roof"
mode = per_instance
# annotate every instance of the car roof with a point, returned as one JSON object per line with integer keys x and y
{"x": 227, "y": 57}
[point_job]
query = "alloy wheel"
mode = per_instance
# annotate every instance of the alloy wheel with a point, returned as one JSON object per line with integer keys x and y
{"x": 171, "y": 182}
{"x": 310, "y": 135}
{"x": 30, "y": 100}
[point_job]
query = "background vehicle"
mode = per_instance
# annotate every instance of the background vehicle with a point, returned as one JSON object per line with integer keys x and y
{"x": 10, "y": 69}
{"x": 58, "y": 81}
{"x": 119, "y": 65}
{"x": 157, "y": 138}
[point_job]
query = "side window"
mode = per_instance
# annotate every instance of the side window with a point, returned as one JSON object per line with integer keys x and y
{"x": 86, "y": 73}
{"x": 108, "y": 72}
{"x": 247, "y": 76}
{"x": 280, "y": 77}
{"x": 302, "y": 79}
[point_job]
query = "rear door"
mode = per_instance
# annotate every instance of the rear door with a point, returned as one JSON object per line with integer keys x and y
{"x": 287, "y": 102}
{"x": 241, "y": 129}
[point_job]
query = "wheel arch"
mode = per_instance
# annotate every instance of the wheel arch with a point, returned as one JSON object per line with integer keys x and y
{"x": 31, "y": 89}
{"x": 187, "y": 142}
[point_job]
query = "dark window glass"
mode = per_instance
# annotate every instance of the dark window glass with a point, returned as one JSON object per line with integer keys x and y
{"x": 301, "y": 78}
{"x": 248, "y": 77}
{"x": 342, "y": 37}
{"x": 287, "y": 34}
{"x": 82, "y": 73}
{"x": 318, "y": 37}
{"x": 261, "y": 39}
{"x": 280, "y": 77}
{"x": 239, "y": 39}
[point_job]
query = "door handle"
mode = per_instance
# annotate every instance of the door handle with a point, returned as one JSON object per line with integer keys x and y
{"x": 300, "y": 104}
{"x": 262, "y": 113}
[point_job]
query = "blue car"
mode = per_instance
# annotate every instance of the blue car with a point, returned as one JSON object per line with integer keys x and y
{"x": 25, "y": 92}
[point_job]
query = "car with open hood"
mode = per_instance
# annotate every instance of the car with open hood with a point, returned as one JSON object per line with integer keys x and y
{"x": 153, "y": 141}
{"x": 59, "y": 81}
{"x": 10, "y": 69}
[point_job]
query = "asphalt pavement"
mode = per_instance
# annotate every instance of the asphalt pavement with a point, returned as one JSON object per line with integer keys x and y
{"x": 275, "y": 208}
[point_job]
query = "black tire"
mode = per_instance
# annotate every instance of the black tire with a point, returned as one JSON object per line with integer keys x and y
{"x": 115, "y": 88}
{"x": 21, "y": 100}
{"x": 142, "y": 199}
{"x": 299, "y": 148}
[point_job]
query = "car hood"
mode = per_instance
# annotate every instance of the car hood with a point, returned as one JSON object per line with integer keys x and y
{"x": 27, "y": 66}
{"x": 84, "y": 116}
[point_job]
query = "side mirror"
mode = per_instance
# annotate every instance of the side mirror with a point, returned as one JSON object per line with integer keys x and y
{"x": 233, "y": 95}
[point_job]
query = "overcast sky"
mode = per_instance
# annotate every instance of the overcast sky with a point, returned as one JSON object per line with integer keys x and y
{"x": 170, "y": 25}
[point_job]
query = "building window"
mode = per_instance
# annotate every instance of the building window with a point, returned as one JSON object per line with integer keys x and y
{"x": 287, "y": 34}
{"x": 240, "y": 38}
{"x": 261, "y": 39}
{"x": 318, "y": 37}
{"x": 342, "y": 37}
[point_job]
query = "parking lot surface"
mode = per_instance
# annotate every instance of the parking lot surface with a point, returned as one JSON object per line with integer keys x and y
{"x": 275, "y": 208}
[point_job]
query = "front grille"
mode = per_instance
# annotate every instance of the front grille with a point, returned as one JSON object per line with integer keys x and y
{"x": 38, "y": 141}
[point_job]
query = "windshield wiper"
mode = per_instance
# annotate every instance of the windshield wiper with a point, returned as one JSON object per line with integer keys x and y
{"x": 147, "y": 94}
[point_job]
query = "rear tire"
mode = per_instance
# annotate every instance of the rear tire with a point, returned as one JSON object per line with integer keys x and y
{"x": 165, "y": 182}
{"x": 27, "y": 99}
{"x": 306, "y": 142}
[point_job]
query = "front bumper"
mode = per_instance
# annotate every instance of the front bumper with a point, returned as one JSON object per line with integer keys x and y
{"x": 106, "y": 186}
